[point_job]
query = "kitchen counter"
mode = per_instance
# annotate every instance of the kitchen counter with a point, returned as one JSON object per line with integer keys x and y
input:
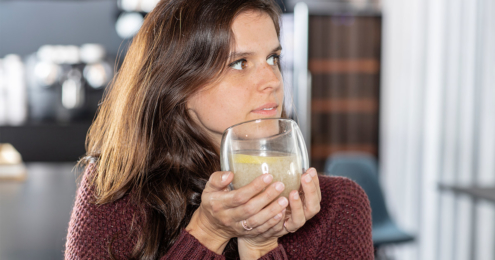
{"x": 35, "y": 213}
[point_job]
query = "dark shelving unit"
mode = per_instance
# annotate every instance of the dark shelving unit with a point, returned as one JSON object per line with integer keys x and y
{"x": 48, "y": 142}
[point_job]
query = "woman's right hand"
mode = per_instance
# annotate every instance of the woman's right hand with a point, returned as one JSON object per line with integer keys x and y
{"x": 220, "y": 215}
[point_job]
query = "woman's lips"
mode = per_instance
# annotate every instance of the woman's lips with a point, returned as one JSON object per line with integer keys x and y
{"x": 269, "y": 109}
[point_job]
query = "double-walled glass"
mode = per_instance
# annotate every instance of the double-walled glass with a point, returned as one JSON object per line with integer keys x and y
{"x": 262, "y": 146}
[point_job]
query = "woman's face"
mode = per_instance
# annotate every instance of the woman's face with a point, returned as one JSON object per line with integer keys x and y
{"x": 251, "y": 86}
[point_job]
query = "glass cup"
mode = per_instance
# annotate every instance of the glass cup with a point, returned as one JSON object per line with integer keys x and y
{"x": 265, "y": 146}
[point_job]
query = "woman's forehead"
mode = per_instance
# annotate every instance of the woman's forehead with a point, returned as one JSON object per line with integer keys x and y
{"x": 254, "y": 31}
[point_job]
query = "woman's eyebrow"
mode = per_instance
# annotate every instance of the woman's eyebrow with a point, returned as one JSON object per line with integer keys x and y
{"x": 279, "y": 48}
{"x": 235, "y": 55}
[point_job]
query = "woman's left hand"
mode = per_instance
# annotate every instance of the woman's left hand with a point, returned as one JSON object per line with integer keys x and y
{"x": 302, "y": 210}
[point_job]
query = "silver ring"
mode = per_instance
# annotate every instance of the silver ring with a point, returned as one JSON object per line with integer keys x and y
{"x": 245, "y": 226}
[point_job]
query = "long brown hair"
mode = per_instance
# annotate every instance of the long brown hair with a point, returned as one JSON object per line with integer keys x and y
{"x": 143, "y": 142}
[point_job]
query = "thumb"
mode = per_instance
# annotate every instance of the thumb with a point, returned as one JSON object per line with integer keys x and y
{"x": 218, "y": 181}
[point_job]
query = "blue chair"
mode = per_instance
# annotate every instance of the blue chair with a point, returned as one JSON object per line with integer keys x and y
{"x": 363, "y": 169}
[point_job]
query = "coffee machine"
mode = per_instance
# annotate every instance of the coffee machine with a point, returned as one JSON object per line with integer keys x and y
{"x": 66, "y": 83}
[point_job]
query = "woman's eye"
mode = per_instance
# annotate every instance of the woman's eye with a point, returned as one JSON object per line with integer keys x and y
{"x": 239, "y": 65}
{"x": 273, "y": 60}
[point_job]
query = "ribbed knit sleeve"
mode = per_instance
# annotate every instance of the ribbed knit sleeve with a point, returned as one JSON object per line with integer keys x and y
{"x": 94, "y": 230}
{"x": 349, "y": 230}
{"x": 342, "y": 228}
{"x": 188, "y": 247}
{"x": 276, "y": 254}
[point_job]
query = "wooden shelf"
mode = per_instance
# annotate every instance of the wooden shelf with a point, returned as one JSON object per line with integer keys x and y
{"x": 351, "y": 105}
{"x": 322, "y": 151}
{"x": 365, "y": 66}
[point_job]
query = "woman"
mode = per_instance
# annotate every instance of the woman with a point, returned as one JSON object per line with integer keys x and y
{"x": 152, "y": 186}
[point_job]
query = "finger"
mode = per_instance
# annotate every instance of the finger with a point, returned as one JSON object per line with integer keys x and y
{"x": 297, "y": 217}
{"x": 259, "y": 202}
{"x": 218, "y": 181}
{"x": 311, "y": 196}
{"x": 316, "y": 180}
{"x": 263, "y": 199}
{"x": 272, "y": 226}
{"x": 244, "y": 194}
{"x": 279, "y": 227}
{"x": 266, "y": 216}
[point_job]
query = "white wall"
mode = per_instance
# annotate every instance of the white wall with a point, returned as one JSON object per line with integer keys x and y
{"x": 438, "y": 124}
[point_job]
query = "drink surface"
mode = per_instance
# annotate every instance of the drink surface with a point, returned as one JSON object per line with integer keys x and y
{"x": 284, "y": 167}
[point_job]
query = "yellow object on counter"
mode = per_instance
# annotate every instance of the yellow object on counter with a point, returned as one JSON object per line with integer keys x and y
{"x": 11, "y": 165}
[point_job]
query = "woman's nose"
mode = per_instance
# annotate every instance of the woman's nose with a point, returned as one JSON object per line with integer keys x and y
{"x": 269, "y": 78}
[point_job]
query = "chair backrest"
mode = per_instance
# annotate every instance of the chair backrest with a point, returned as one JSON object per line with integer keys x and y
{"x": 363, "y": 169}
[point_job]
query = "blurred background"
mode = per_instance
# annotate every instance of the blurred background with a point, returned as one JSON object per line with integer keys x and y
{"x": 398, "y": 95}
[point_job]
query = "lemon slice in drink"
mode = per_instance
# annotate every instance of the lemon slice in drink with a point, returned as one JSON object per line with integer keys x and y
{"x": 254, "y": 159}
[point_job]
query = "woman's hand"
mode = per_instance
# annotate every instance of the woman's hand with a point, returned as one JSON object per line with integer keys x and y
{"x": 222, "y": 213}
{"x": 253, "y": 247}
{"x": 306, "y": 208}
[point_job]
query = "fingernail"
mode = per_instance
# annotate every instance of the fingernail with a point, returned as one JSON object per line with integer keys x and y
{"x": 225, "y": 176}
{"x": 279, "y": 186}
{"x": 296, "y": 196}
{"x": 282, "y": 201}
{"x": 268, "y": 178}
{"x": 312, "y": 172}
{"x": 278, "y": 216}
{"x": 307, "y": 178}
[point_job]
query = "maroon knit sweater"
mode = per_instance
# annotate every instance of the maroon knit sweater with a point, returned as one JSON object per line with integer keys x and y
{"x": 341, "y": 230}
